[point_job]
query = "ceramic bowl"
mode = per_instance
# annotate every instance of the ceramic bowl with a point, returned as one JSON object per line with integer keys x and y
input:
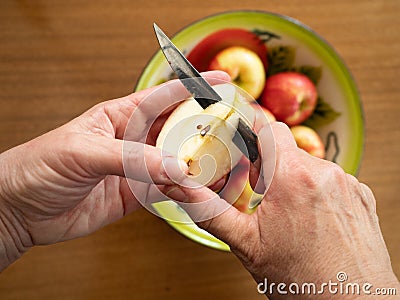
{"x": 343, "y": 136}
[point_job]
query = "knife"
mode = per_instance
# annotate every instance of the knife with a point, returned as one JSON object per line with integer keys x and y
{"x": 245, "y": 139}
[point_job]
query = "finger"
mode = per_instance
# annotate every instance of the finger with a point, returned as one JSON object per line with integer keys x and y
{"x": 147, "y": 194}
{"x": 275, "y": 142}
{"x": 369, "y": 198}
{"x": 155, "y": 102}
{"x": 130, "y": 202}
{"x": 255, "y": 172}
{"x": 216, "y": 216}
{"x": 260, "y": 117}
{"x": 283, "y": 138}
{"x": 119, "y": 111}
{"x": 212, "y": 77}
{"x": 295, "y": 170}
{"x": 141, "y": 162}
{"x": 168, "y": 93}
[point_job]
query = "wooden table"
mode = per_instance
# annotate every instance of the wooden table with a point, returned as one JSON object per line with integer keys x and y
{"x": 58, "y": 58}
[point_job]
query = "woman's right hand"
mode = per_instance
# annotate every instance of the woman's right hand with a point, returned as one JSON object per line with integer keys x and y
{"x": 314, "y": 222}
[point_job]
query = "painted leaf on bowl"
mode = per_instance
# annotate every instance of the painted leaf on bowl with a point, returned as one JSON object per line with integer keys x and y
{"x": 323, "y": 114}
{"x": 281, "y": 59}
{"x": 265, "y": 36}
{"x": 313, "y": 73}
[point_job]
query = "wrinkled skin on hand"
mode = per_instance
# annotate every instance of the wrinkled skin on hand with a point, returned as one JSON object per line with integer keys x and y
{"x": 71, "y": 181}
{"x": 314, "y": 222}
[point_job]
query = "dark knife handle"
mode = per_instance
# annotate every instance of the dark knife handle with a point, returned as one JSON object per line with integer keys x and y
{"x": 245, "y": 137}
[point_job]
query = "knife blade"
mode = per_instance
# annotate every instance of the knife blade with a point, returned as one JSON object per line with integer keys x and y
{"x": 245, "y": 139}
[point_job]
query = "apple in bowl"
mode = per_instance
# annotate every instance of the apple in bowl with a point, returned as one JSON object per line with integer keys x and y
{"x": 244, "y": 66}
{"x": 309, "y": 140}
{"x": 205, "y": 50}
{"x": 203, "y": 40}
{"x": 290, "y": 96}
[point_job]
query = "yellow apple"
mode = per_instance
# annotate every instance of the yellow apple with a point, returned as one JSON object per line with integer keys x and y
{"x": 309, "y": 140}
{"x": 244, "y": 66}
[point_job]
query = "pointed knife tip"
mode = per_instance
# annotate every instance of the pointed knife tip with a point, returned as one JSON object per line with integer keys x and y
{"x": 156, "y": 28}
{"x": 161, "y": 36}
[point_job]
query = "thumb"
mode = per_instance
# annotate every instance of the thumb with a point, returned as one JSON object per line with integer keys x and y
{"x": 275, "y": 141}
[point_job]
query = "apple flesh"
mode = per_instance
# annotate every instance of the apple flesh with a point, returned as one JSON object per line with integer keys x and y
{"x": 244, "y": 66}
{"x": 309, "y": 140}
{"x": 202, "y": 54}
{"x": 290, "y": 96}
{"x": 203, "y": 138}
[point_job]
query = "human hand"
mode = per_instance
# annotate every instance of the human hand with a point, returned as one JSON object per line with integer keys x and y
{"x": 314, "y": 222}
{"x": 71, "y": 181}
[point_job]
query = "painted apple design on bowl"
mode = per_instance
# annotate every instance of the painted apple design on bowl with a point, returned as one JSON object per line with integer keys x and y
{"x": 283, "y": 45}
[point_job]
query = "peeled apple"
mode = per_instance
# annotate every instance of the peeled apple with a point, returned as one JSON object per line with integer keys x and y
{"x": 203, "y": 137}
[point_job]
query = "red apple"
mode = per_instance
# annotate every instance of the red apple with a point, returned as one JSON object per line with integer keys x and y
{"x": 308, "y": 139}
{"x": 219, "y": 185}
{"x": 202, "y": 54}
{"x": 236, "y": 182}
{"x": 290, "y": 96}
{"x": 244, "y": 66}
{"x": 237, "y": 189}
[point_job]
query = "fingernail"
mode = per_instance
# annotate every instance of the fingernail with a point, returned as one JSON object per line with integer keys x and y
{"x": 176, "y": 169}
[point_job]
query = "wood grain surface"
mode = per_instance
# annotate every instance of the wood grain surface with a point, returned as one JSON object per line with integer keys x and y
{"x": 58, "y": 58}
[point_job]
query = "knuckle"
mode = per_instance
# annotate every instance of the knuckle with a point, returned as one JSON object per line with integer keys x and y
{"x": 368, "y": 197}
{"x": 134, "y": 160}
{"x": 301, "y": 172}
{"x": 334, "y": 175}
{"x": 69, "y": 144}
{"x": 280, "y": 126}
{"x": 76, "y": 150}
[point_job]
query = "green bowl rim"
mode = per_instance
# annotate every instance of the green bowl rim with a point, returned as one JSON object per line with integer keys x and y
{"x": 330, "y": 50}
